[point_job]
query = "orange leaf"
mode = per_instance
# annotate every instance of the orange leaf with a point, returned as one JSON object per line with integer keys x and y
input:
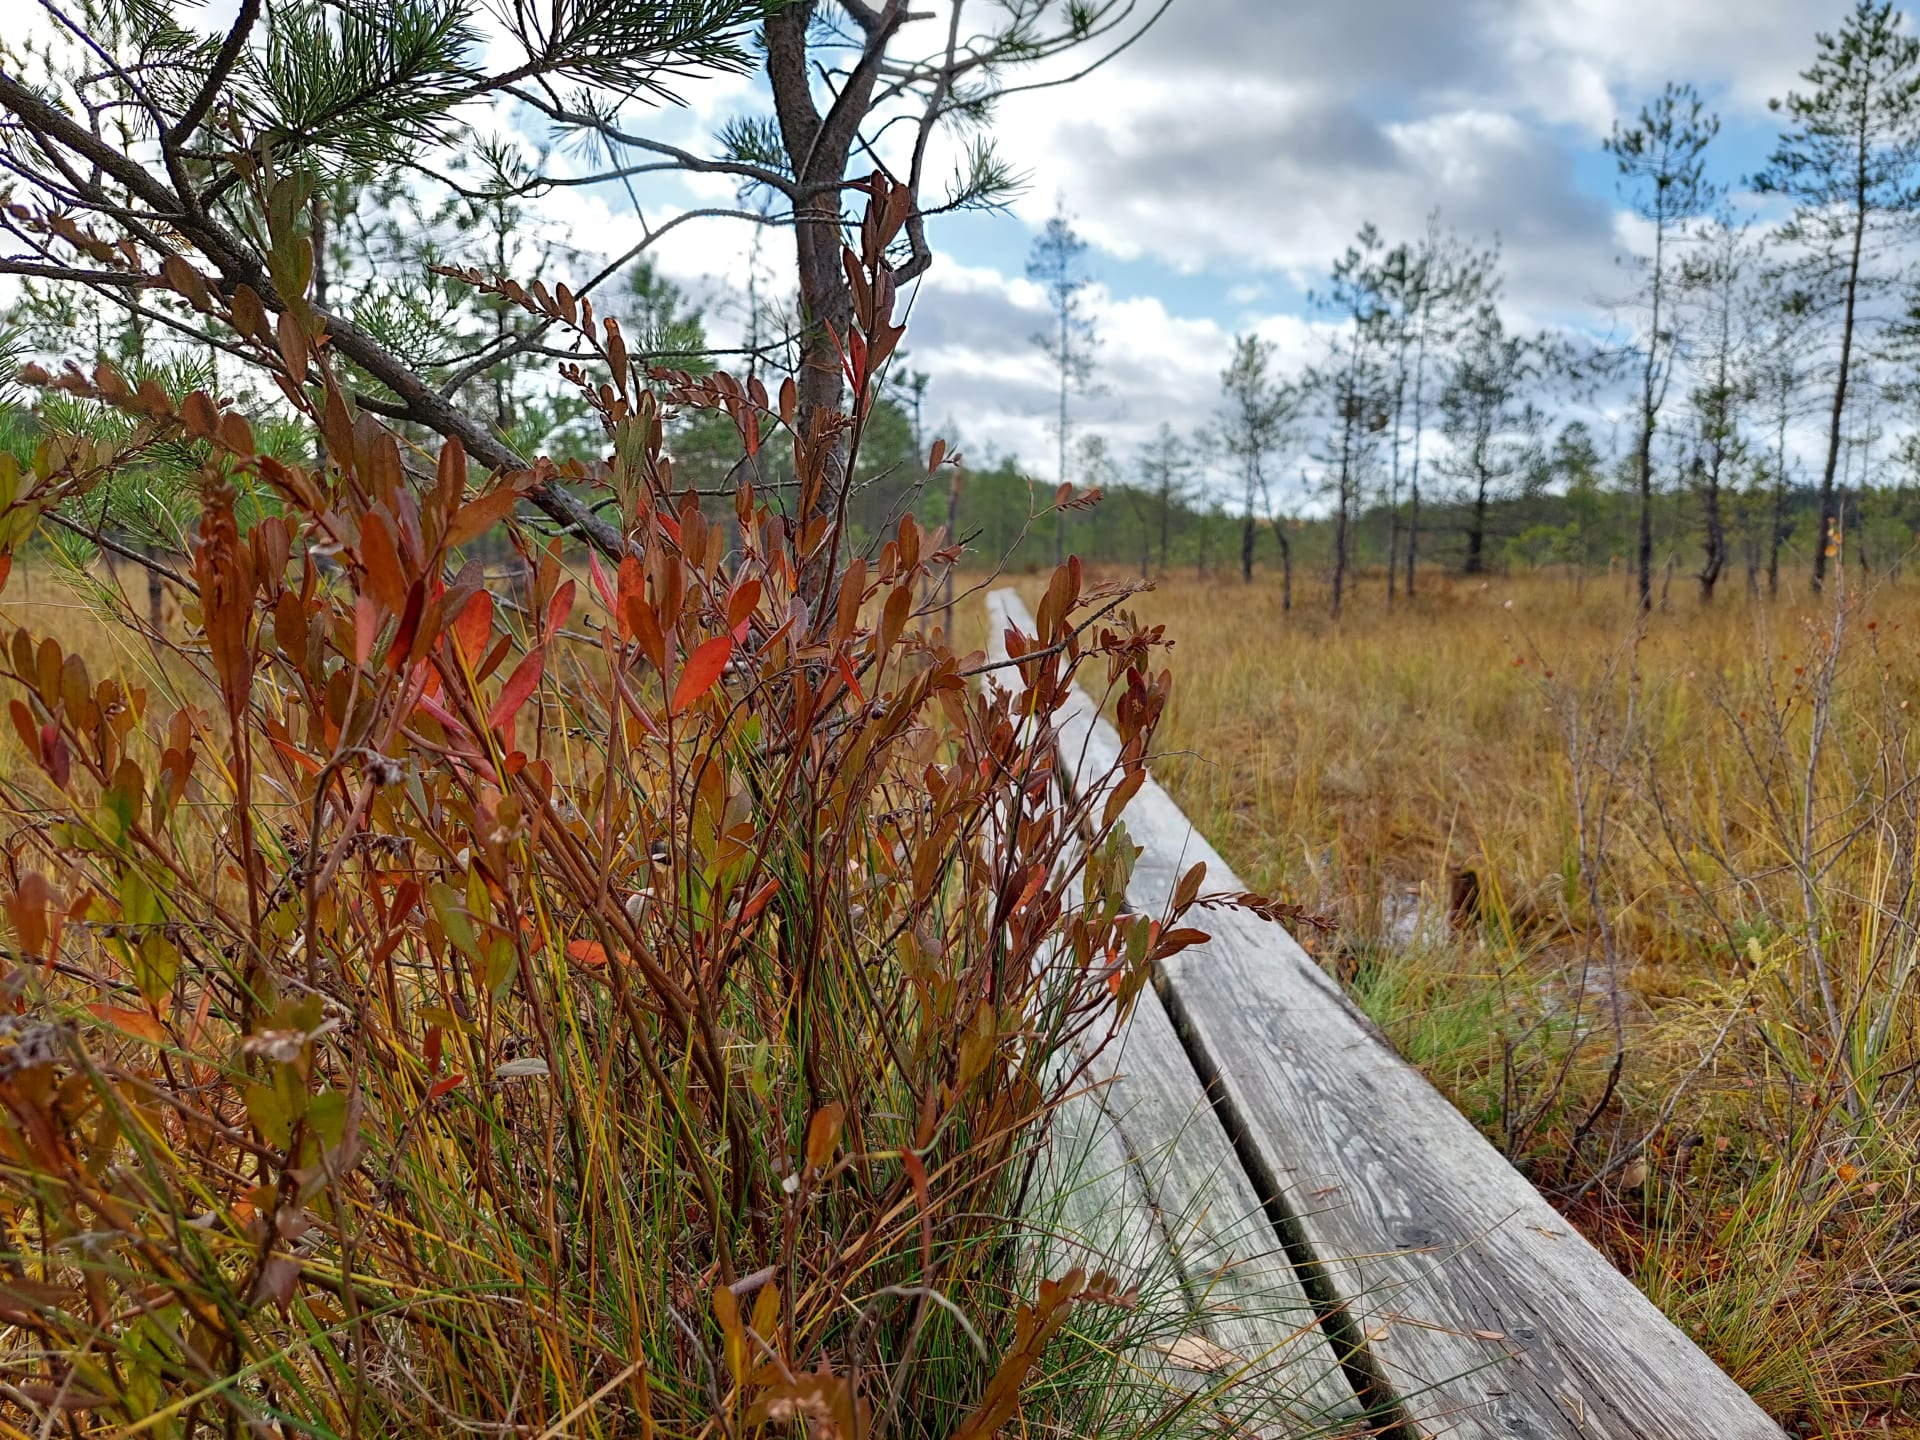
{"x": 632, "y": 595}
{"x": 366, "y": 628}
{"x": 137, "y": 1023}
{"x": 759, "y": 901}
{"x": 823, "y": 1133}
{"x": 702, "y": 669}
{"x": 1172, "y": 942}
{"x": 587, "y": 952}
{"x": 853, "y": 680}
{"x": 520, "y": 684}
{"x": 299, "y": 757}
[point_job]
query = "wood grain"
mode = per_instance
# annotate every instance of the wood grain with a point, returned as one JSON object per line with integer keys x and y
{"x": 1486, "y": 1313}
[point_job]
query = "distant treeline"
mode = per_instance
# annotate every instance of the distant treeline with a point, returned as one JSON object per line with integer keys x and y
{"x": 1585, "y": 531}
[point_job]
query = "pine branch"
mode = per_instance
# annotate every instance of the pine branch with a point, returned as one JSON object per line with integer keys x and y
{"x": 239, "y": 266}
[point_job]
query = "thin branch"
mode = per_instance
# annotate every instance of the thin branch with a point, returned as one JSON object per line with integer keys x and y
{"x": 34, "y": 270}
{"x": 223, "y": 63}
{"x": 125, "y": 552}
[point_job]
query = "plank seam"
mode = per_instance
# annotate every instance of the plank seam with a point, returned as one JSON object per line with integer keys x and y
{"x": 1364, "y": 1373}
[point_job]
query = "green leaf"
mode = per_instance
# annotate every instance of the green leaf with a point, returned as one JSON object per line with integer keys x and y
{"x": 268, "y": 1112}
{"x": 138, "y": 904}
{"x": 450, "y": 909}
{"x": 327, "y": 1114}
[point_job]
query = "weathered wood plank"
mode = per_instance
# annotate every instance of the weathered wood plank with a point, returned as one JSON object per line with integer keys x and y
{"x": 1487, "y": 1313}
{"x": 1145, "y": 1179}
{"x": 1244, "y": 1291}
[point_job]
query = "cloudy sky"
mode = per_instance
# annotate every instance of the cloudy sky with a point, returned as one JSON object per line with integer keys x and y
{"x": 1219, "y": 165}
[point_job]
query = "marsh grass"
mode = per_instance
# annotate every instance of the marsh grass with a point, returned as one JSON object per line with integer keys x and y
{"x": 1684, "y": 999}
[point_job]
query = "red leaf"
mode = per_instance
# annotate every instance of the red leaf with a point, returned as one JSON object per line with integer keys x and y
{"x": 559, "y": 608}
{"x": 702, "y": 669}
{"x": 633, "y": 582}
{"x": 400, "y": 650}
{"x": 759, "y": 901}
{"x": 587, "y": 952}
{"x": 520, "y": 684}
{"x": 53, "y": 754}
{"x": 741, "y": 603}
{"x": 366, "y": 628}
{"x": 646, "y": 629}
{"x": 853, "y": 680}
{"x": 473, "y": 626}
{"x": 386, "y": 580}
{"x": 600, "y": 583}
{"x": 441, "y": 1087}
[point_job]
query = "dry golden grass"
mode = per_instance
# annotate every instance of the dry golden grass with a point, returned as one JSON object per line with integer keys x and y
{"x": 1695, "y": 851}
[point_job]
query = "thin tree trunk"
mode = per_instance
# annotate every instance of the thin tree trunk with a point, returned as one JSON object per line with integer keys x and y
{"x": 1393, "y": 493}
{"x": 1644, "y": 453}
{"x": 1340, "y": 508}
{"x": 1413, "y": 531}
{"x": 1246, "y": 538}
{"x": 1340, "y": 529}
{"x": 1477, "y": 532}
{"x": 1419, "y": 416}
{"x": 1716, "y": 537}
{"x": 1060, "y": 516}
{"x": 817, "y": 148}
{"x": 1280, "y": 541}
{"x": 1778, "y": 530}
{"x": 1827, "y": 513}
{"x": 953, "y": 538}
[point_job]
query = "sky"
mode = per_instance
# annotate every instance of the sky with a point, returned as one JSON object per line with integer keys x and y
{"x": 1219, "y": 165}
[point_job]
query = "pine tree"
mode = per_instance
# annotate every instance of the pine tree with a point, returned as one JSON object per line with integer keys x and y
{"x": 1849, "y": 162}
{"x": 1662, "y": 168}
{"x": 1058, "y": 263}
{"x": 1716, "y": 282}
{"x": 1256, "y": 410}
{"x": 162, "y": 128}
{"x": 1491, "y": 427}
{"x": 1164, "y": 465}
{"x": 1446, "y": 282}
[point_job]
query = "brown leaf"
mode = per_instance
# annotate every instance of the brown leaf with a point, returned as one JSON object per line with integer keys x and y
{"x": 1196, "y": 1352}
{"x": 386, "y": 581}
{"x": 477, "y": 517}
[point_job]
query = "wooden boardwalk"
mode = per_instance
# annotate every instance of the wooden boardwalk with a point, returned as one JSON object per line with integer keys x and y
{"x": 1316, "y": 1177}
